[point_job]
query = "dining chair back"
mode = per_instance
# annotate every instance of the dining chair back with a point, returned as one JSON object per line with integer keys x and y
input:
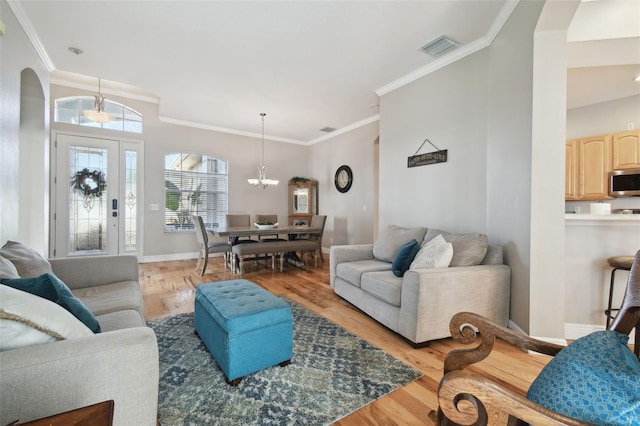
{"x": 273, "y": 218}
{"x": 317, "y": 221}
{"x": 207, "y": 248}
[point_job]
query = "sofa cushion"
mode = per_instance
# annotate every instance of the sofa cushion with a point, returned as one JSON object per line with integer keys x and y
{"x": 127, "y": 318}
{"x": 28, "y": 262}
{"x": 27, "y": 319}
{"x": 7, "y": 269}
{"x": 384, "y": 285}
{"x": 352, "y": 272}
{"x": 468, "y": 249}
{"x": 437, "y": 253}
{"x": 392, "y": 238}
{"x": 51, "y": 288}
{"x": 107, "y": 298}
{"x": 595, "y": 379}
{"x": 404, "y": 257}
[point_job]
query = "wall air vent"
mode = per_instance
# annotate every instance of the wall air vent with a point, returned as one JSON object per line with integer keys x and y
{"x": 328, "y": 129}
{"x": 439, "y": 46}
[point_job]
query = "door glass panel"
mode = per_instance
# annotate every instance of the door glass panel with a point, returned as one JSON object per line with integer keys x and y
{"x": 87, "y": 200}
{"x": 130, "y": 192}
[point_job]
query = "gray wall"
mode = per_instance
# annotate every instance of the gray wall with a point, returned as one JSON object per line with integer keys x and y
{"x": 508, "y": 139}
{"x": 350, "y": 215}
{"x": 479, "y": 109}
{"x": 449, "y": 107}
{"x": 17, "y": 54}
{"x": 282, "y": 160}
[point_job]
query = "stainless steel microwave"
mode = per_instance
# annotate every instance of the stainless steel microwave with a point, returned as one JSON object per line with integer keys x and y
{"x": 624, "y": 183}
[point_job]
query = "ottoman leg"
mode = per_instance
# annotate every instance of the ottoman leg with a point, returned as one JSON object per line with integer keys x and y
{"x": 285, "y": 363}
{"x": 234, "y": 382}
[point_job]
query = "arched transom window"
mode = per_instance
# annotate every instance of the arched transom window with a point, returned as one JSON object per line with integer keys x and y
{"x": 69, "y": 110}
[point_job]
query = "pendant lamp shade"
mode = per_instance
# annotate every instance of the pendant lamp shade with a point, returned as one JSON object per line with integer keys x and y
{"x": 262, "y": 180}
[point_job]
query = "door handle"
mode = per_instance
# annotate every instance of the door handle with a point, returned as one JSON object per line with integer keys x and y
{"x": 114, "y": 204}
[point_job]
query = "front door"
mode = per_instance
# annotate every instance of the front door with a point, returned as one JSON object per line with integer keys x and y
{"x": 97, "y": 201}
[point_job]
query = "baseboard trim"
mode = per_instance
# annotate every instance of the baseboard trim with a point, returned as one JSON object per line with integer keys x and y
{"x": 174, "y": 256}
{"x": 576, "y": 331}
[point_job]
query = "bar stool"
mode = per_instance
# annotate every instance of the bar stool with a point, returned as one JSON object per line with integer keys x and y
{"x": 616, "y": 262}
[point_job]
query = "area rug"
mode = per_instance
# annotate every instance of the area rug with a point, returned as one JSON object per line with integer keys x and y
{"x": 332, "y": 374}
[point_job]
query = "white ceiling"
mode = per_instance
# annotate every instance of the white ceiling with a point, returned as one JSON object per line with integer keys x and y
{"x": 306, "y": 64}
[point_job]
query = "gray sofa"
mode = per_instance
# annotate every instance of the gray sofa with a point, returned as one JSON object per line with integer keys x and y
{"x": 420, "y": 304}
{"x": 120, "y": 363}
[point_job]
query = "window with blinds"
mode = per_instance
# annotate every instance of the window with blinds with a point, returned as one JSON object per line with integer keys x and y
{"x": 195, "y": 184}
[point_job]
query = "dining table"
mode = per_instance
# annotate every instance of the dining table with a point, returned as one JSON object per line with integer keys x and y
{"x": 233, "y": 233}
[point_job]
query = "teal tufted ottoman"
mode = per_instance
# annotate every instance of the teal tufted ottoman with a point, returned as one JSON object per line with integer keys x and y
{"x": 245, "y": 327}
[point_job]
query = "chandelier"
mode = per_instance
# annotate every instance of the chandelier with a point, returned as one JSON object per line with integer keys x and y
{"x": 97, "y": 114}
{"x": 262, "y": 180}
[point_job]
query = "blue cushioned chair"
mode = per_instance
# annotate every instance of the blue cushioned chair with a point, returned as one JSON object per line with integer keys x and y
{"x": 594, "y": 380}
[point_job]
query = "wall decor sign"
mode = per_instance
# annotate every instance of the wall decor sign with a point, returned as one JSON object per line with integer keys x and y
{"x": 439, "y": 156}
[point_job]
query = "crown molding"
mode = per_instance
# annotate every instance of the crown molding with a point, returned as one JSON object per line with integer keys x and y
{"x": 203, "y": 126}
{"x": 105, "y": 90}
{"x": 457, "y": 54}
{"x": 346, "y": 129}
{"x": 17, "y": 9}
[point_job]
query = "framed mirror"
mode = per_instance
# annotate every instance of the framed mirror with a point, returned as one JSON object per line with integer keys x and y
{"x": 301, "y": 200}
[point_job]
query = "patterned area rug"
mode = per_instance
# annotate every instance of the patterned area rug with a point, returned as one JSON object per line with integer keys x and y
{"x": 332, "y": 374}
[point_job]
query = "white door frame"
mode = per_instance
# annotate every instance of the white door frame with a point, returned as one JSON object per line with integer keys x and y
{"x": 124, "y": 145}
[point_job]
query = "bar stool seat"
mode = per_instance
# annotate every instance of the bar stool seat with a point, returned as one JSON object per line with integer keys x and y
{"x": 616, "y": 262}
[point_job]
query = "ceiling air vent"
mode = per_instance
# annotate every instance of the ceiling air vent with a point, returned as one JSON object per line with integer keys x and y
{"x": 328, "y": 129}
{"x": 439, "y": 46}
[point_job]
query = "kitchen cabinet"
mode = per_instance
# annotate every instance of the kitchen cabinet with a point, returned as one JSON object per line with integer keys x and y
{"x": 303, "y": 202}
{"x": 626, "y": 149}
{"x": 571, "y": 170}
{"x": 588, "y": 163}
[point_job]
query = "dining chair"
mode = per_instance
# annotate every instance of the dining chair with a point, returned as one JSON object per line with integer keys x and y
{"x": 273, "y": 218}
{"x": 317, "y": 221}
{"x": 207, "y": 248}
{"x": 234, "y": 220}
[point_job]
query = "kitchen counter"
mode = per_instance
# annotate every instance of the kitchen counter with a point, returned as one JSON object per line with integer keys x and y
{"x": 579, "y": 218}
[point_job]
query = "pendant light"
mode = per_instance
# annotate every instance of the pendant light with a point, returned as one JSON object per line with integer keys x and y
{"x": 262, "y": 180}
{"x": 97, "y": 114}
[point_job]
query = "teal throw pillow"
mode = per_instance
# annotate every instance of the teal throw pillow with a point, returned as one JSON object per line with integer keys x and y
{"x": 51, "y": 288}
{"x": 404, "y": 257}
{"x": 595, "y": 379}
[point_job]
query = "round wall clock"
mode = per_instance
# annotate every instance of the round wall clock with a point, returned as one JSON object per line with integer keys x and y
{"x": 343, "y": 178}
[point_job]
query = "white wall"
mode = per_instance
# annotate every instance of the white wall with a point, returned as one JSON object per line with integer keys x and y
{"x": 350, "y": 215}
{"x": 17, "y": 54}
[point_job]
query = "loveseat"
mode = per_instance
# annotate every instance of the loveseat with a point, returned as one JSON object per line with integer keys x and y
{"x": 119, "y": 363}
{"x": 419, "y": 303}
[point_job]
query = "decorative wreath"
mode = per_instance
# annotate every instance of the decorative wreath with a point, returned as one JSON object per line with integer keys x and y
{"x": 89, "y": 184}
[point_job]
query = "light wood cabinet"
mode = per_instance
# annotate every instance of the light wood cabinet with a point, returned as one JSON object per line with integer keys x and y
{"x": 588, "y": 163}
{"x": 571, "y": 170}
{"x": 303, "y": 202}
{"x": 626, "y": 149}
{"x": 594, "y": 165}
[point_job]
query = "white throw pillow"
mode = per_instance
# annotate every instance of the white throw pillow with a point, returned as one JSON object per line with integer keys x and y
{"x": 437, "y": 253}
{"x": 26, "y": 319}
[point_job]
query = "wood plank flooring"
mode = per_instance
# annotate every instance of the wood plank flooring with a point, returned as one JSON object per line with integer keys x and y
{"x": 169, "y": 289}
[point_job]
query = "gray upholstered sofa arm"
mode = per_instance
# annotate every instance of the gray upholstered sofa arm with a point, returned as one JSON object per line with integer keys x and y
{"x": 122, "y": 365}
{"x": 431, "y": 297}
{"x": 81, "y": 272}
{"x": 347, "y": 253}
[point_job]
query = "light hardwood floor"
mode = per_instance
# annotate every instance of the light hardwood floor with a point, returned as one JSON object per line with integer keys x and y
{"x": 169, "y": 289}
